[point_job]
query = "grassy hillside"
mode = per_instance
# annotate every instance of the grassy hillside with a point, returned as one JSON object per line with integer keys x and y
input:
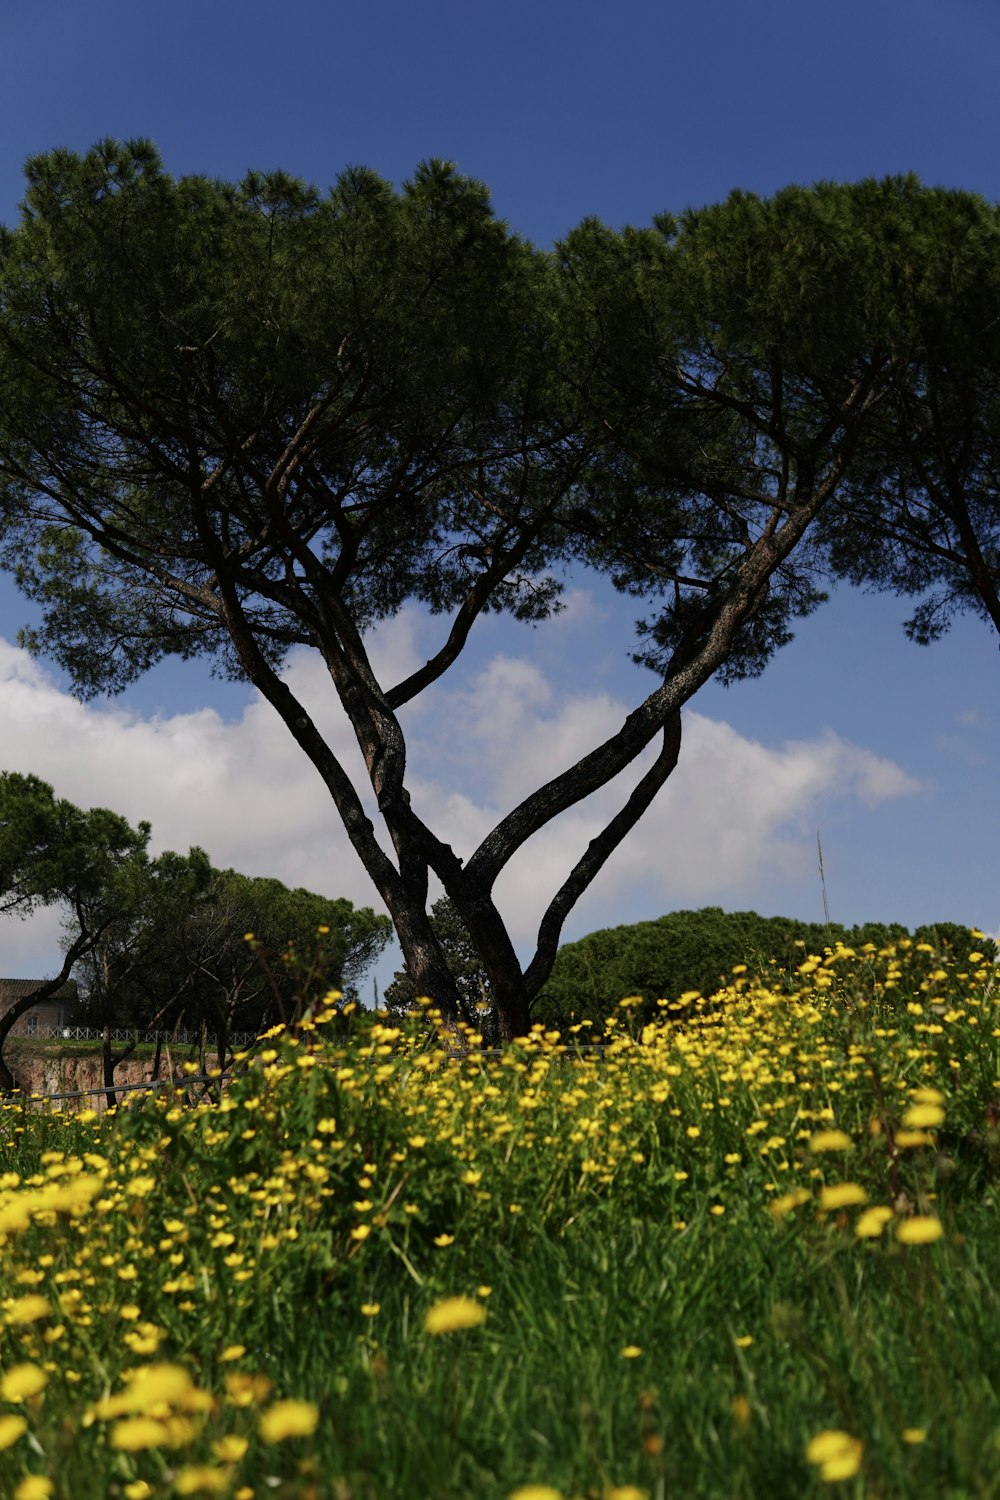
{"x": 749, "y": 1251}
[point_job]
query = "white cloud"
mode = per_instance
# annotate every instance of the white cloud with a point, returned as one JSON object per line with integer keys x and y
{"x": 734, "y": 812}
{"x": 735, "y": 816}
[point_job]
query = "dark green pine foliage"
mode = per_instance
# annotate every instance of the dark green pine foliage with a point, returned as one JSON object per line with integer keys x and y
{"x": 920, "y": 514}
{"x": 698, "y": 950}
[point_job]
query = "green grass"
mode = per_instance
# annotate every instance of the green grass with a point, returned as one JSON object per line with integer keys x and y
{"x": 669, "y": 1305}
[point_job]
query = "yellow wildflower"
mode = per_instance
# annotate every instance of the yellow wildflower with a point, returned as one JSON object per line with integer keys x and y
{"x": 787, "y": 1201}
{"x": 22, "y": 1381}
{"x": 231, "y": 1448}
{"x": 288, "y": 1419}
{"x": 34, "y": 1487}
{"x": 871, "y": 1223}
{"x": 830, "y": 1140}
{"x": 137, "y": 1433}
{"x": 836, "y": 1454}
{"x": 11, "y": 1428}
{"x": 453, "y": 1313}
{"x": 201, "y": 1479}
{"x": 26, "y": 1309}
{"x": 842, "y": 1195}
{"x": 920, "y": 1230}
{"x": 923, "y": 1116}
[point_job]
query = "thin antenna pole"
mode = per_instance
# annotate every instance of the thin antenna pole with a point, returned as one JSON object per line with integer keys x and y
{"x": 822, "y": 879}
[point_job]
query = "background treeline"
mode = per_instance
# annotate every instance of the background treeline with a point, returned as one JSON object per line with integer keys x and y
{"x": 160, "y": 944}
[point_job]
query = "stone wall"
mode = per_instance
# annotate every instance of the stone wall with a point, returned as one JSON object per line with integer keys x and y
{"x": 50, "y": 1070}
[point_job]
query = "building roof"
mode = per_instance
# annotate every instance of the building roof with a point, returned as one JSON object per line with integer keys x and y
{"x": 15, "y": 989}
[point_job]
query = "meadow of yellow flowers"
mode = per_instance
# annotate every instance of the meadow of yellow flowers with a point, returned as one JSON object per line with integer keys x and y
{"x": 748, "y": 1249}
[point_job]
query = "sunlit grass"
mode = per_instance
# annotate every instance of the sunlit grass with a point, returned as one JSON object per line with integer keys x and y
{"x": 749, "y": 1249}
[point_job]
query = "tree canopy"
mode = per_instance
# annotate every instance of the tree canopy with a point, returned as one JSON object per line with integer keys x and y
{"x": 239, "y": 418}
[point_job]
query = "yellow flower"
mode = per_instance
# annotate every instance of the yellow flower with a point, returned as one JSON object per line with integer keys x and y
{"x": 361, "y": 1231}
{"x": 201, "y": 1479}
{"x": 913, "y": 1138}
{"x": 244, "y": 1390}
{"x": 231, "y": 1448}
{"x": 922, "y": 1116}
{"x": 26, "y": 1309}
{"x": 631, "y": 1351}
{"x": 232, "y": 1351}
{"x": 34, "y": 1487}
{"x": 138, "y": 1490}
{"x": 871, "y": 1223}
{"x": 836, "y": 1454}
{"x": 371, "y": 1309}
{"x": 140, "y": 1187}
{"x": 11, "y": 1428}
{"x": 443, "y": 1240}
{"x": 841, "y": 1195}
{"x": 744, "y": 1341}
{"x": 288, "y": 1419}
{"x": 453, "y": 1313}
{"x": 22, "y": 1381}
{"x": 914, "y": 1435}
{"x": 787, "y": 1201}
{"x": 153, "y": 1385}
{"x": 136, "y": 1433}
{"x": 920, "y": 1230}
{"x": 626, "y": 1492}
{"x": 536, "y": 1492}
{"x": 830, "y": 1140}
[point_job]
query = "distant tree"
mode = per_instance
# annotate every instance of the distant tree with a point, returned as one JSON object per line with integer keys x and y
{"x": 122, "y": 979}
{"x": 666, "y": 957}
{"x": 471, "y": 979}
{"x": 698, "y": 950}
{"x": 238, "y": 419}
{"x": 178, "y": 953}
{"x": 955, "y": 942}
{"x": 54, "y": 854}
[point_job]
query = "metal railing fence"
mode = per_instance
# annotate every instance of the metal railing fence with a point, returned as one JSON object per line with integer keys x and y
{"x": 121, "y": 1034}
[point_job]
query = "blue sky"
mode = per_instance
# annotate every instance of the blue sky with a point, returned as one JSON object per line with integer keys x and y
{"x": 564, "y": 110}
